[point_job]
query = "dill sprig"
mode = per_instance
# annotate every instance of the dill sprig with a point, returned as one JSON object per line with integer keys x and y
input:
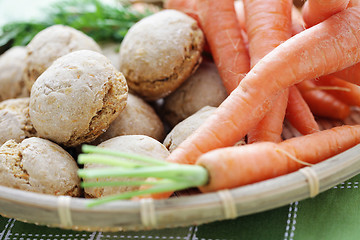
{"x": 101, "y": 21}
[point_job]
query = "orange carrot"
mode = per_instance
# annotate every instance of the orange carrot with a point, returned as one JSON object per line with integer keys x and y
{"x": 298, "y": 24}
{"x": 321, "y": 103}
{"x": 186, "y": 6}
{"x": 316, "y": 11}
{"x": 271, "y": 126}
{"x": 344, "y": 91}
{"x": 268, "y": 24}
{"x": 240, "y": 13}
{"x": 299, "y": 114}
{"x": 223, "y": 168}
{"x": 350, "y": 74}
{"x": 236, "y": 166}
{"x": 222, "y": 31}
{"x": 353, "y": 3}
{"x": 316, "y": 51}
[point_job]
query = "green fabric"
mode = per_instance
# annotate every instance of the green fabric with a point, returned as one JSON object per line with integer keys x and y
{"x": 331, "y": 215}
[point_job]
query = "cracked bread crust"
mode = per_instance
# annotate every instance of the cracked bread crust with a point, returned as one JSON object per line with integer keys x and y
{"x": 203, "y": 88}
{"x": 160, "y": 52}
{"x": 186, "y": 127}
{"x": 138, "y": 118}
{"x": 50, "y": 44}
{"x": 15, "y": 120}
{"x": 138, "y": 144}
{"x": 76, "y": 98}
{"x": 12, "y": 67}
{"x": 38, "y": 165}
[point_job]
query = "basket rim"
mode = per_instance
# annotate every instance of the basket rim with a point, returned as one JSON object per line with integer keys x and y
{"x": 158, "y": 214}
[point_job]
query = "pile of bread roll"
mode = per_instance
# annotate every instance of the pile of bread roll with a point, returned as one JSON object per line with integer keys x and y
{"x": 64, "y": 90}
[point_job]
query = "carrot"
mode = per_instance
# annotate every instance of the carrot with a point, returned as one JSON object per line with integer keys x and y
{"x": 268, "y": 24}
{"x": 344, "y": 91}
{"x": 350, "y": 74}
{"x": 185, "y": 6}
{"x": 353, "y": 3}
{"x": 271, "y": 126}
{"x": 316, "y": 11}
{"x": 327, "y": 8}
{"x": 236, "y": 166}
{"x": 223, "y": 168}
{"x": 240, "y": 14}
{"x": 223, "y": 34}
{"x": 321, "y": 103}
{"x": 316, "y": 51}
{"x": 299, "y": 114}
{"x": 298, "y": 24}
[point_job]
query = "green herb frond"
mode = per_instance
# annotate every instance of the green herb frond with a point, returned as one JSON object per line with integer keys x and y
{"x": 99, "y": 20}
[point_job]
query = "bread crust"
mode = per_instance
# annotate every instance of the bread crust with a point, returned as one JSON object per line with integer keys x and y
{"x": 160, "y": 52}
{"x": 77, "y": 97}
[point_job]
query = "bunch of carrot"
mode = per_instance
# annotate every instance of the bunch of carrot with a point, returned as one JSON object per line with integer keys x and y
{"x": 275, "y": 63}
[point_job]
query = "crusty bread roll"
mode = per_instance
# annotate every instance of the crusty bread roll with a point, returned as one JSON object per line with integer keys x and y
{"x": 12, "y": 67}
{"x": 138, "y": 144}
{"x": 203, "y": 88}
{"x": 38, "y": 165}
{"x": 50, "y": 44}
{"x": 76, "y": 98}
{"x": 186, "y": 127}
{"x": 15, "y": 121}
{"x": 138, "y": 118}
{"x": 159, "y": 52}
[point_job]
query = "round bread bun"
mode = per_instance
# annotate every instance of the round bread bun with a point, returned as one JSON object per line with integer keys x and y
{"x": 138, "y": 144}
{"x": 159, "y": 52}
{"x": 203, "y": 88}
{"x": 12, "y": 67}
{"x": 138, "y": 118}
{"x": 50, "y": 44}
{"x": 38, "y": 165}
{"x": 76, "y": 98}
{"x": 186, "y": 127}
{"x": 15, "y": 121}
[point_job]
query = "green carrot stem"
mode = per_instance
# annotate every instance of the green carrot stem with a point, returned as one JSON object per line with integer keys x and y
{"x": 106, "y": 160}
{"x": 124, "y": 183}
{"x": 145, "y": 159}
{"x": 128, "y": 195}
{"x": 194, "y": 174}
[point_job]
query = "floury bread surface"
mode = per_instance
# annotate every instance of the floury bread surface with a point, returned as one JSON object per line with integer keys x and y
{"x": 38, "y": 165}
{"x": 12, "y": 67}
{"x": 136, "y": 144}
{"x": 76, "y": 98}
{"x": 138, "y": 118}
{"x": 160, "y": 52}
{"x": 50, "y": 44}
{"x": 15, "y": 121}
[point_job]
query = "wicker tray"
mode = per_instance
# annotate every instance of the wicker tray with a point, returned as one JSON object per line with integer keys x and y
{"x": 193, "y": 209}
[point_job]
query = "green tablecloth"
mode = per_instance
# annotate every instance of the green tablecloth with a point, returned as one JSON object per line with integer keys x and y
{"x": 332, "y": 215}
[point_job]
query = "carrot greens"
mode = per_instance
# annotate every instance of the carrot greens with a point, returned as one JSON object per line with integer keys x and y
{"x": 169, "y": 176}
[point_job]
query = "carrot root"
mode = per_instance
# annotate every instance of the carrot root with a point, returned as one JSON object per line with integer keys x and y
{"x": 237, "y": 166}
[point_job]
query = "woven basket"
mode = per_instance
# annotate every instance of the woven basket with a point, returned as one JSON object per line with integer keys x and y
{"x": 72, "y": 213}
